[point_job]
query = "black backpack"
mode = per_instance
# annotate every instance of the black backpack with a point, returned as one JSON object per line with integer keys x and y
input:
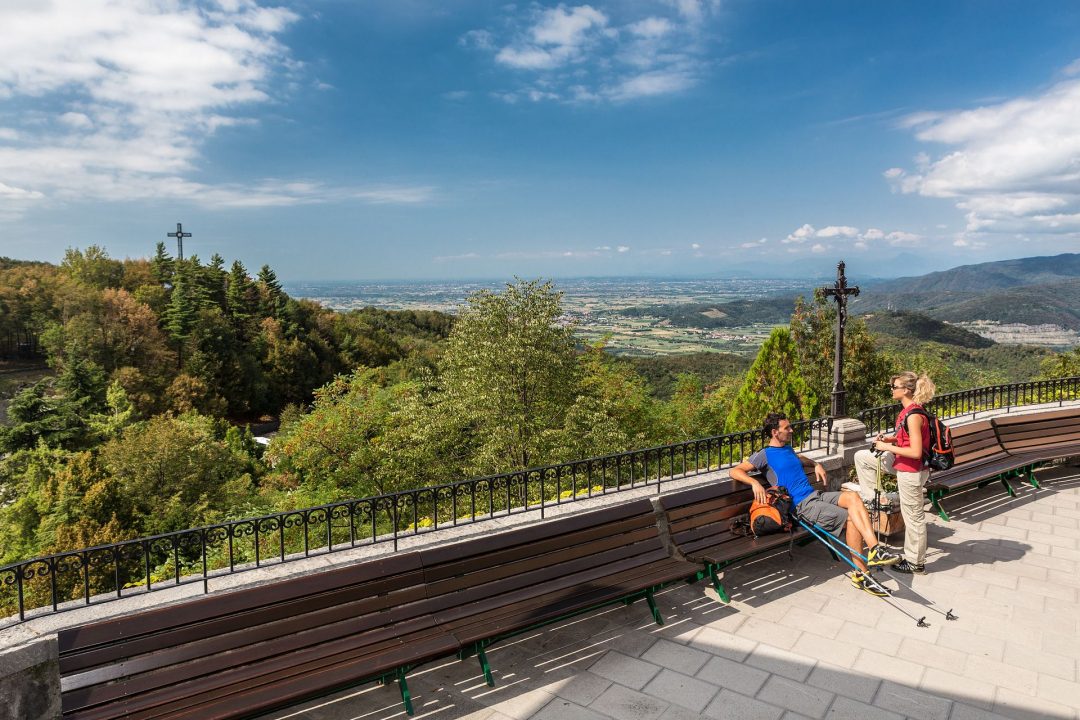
{"x": 940, "y": 455}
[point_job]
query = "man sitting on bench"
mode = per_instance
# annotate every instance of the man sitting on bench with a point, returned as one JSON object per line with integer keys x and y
{"x": 831, "y": 511}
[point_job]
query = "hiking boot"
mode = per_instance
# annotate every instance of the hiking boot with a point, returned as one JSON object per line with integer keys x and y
{"x": 880, "y": 555}
{"x": 869, "y": 585}
{"x": 907, "y": 567}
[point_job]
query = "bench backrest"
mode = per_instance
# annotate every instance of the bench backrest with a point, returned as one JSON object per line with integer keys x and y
{"x": 701, "y": 517}
{"x": 123, "y": 657}
{"x": 1033, "y": 432}
{"x": 508, "y": 569}
{"x": 975, "y": 441}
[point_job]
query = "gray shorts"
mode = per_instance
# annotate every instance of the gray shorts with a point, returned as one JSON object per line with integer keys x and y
{"x": 823, "y": 509}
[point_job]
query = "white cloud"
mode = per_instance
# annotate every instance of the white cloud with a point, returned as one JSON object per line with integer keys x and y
{"x": 837, "y": 231}
{"x": 559, "y": 36}
{"x": 116, "y": 98}
{"x": 800, "y": 236}
{"x": 575, "y": 54}
{"x": 604, "y": 247}
{"x": 695, "y": 246}
{"x": 873, "y": 234}
{"x": 623, "y": 248}
{"x": 8, "y": 133}
{"x": 1012, "y": 166}
{"x": 818, "y": 248}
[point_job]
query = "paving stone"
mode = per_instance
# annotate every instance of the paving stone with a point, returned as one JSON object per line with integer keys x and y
{"x": 625, "y": 704}
{"x": 680, "y": 689}
{"x": 668, "y": 654}
{"x": 767, "y": 632}
{"x": 961, "y": 711}
{"x": 1041, "y": 661}
{"x": 912, "y": 703}
{"x": 887, "y": 667}
{"x": 730, "y": 705}
{"x": 849, "y": 683}
{"x": 581, "y": 688}
{"x": 723, "y": 644}
{"x": 1057, "y": 690}
{"x": 965, "y": 689}
{"x": 520, "y": 705}
{"x": 931, "y": 654}
{"x": 1001, "y": 674}
{"x": 781, "y": 662}
{"x": 676, "y": 712}
{"x": 834, "y": 651}
{"x": 789, "y": 715}
{"x": 857, "y": 607}
{"x": 1018, "y": 600}
{"x": 1049, "y": 589}
{"x": 815, "y": 622}
{"x": 988, "y": 576}
{"x": 870, "y": 638}
{"x": 625, "y": 670}
{"x": 971, "y": 643}
{"x": 806, "y": 699}
{"x": 1020, "y": 705}
{"x": 848, "y": 709}
{"x": 733, "y": 675}
{"x": 560, "y": 709}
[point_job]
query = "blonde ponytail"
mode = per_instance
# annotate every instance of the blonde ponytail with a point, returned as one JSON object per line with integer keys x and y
{"x": 924, "y": 389}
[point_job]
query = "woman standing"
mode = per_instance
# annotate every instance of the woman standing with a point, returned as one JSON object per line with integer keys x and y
{"x": 902, "y": 453}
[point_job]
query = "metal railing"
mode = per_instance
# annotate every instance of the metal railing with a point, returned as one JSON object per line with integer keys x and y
{"x": 64, "y": 581}
{"x": 970, "y": 402}
{"x": 93, "y": 575}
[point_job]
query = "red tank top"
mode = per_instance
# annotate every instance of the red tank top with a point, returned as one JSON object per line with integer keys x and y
{"x": 906, "y": 464}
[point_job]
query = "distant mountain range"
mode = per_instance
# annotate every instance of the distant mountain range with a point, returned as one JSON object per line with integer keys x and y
{"x": 1029, "y": 291}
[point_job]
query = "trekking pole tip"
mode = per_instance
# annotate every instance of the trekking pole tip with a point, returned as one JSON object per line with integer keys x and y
{"x": 949, "y": 615}
{"x": 922, "y": 622}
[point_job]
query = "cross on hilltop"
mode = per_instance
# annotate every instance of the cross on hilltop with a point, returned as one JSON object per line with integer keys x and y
{"x": 179, "y": 235}
{"x": 839, "y": 291}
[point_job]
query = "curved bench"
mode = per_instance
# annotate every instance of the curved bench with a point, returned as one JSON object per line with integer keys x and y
{"x": 246, "y": 652}
{"x": 699, "y": 521}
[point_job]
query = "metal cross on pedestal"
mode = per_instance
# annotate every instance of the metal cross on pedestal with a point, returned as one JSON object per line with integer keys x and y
{"x": 179, "y": 235}
{"x": 839, "y": 292}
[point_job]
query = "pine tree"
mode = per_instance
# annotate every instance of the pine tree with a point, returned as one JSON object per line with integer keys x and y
{"x": 272, "y": 297}
{"x": 772, "y": 384}
{"x": 162, "y": 265}
{"x": 239, "y": 294}
{"x": 181, "y": 312}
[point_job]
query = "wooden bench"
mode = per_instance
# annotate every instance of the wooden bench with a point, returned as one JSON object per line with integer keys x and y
{"x": 980, "y": 460}
{"x": 1034, "y": 438}
{"x": 700, "y": 520}
{"x": 245, "y": 652}
{"x": 494, "y": 587}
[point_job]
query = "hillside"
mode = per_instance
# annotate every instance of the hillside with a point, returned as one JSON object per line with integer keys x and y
{"x": 981, "y": 277}
{"x": 737, "y": 313}
{"x": 916, "y": 326}
{"x": 662, "y": 371}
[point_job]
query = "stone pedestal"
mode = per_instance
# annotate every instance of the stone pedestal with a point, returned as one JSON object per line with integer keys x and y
{"x": 848, "y": 436}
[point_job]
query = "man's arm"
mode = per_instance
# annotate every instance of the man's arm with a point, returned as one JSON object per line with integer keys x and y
{"x": 819, "y": 469}
{"x": 741, "y": 473}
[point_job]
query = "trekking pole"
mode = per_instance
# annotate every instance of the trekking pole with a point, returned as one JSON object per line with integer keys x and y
{"x": 931, "y": 605}
{"x": 820, "y": 534}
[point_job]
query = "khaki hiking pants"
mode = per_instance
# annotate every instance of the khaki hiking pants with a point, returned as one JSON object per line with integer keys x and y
{"x": 910, "y": 486}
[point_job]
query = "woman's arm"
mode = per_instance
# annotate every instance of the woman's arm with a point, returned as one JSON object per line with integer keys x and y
{"x": 915, "y": 449}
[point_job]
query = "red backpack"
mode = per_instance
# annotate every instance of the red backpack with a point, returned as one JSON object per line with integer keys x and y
{"x": 940, "y": 455}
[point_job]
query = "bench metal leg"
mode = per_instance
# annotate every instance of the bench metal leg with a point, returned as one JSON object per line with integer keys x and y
{"x": 406, "y": 698}
{"x": 484, "y": 665}
{"x": 652, "y": 606}
{"x": 1008, "y": 486}
{"x": 935, "y": 500}
{"x": 1030, "y": 470}
{"x": 720, "y": 591}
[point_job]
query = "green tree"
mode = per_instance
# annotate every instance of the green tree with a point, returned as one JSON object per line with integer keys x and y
{"x": 241, "y": 296}
{"x": 866, "y": 369}
{"x": 93, "y": 267}
{"x": 162, "y": 265}
{"x": 37, "y": 415}
{"x": 272, "y": 297}
{"x": 1062, "y": 364}
{"x": 773, "y": 383}
{"x": 510, "y": 372}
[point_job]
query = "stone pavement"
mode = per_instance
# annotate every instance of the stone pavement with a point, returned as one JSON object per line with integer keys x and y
{"x": 798, "y": 641}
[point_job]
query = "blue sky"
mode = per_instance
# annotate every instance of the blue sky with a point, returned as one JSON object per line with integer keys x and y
{"x": 406, "y": 139}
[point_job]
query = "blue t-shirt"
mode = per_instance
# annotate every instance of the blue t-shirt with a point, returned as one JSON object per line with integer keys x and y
{"x": 782, "y": 467}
